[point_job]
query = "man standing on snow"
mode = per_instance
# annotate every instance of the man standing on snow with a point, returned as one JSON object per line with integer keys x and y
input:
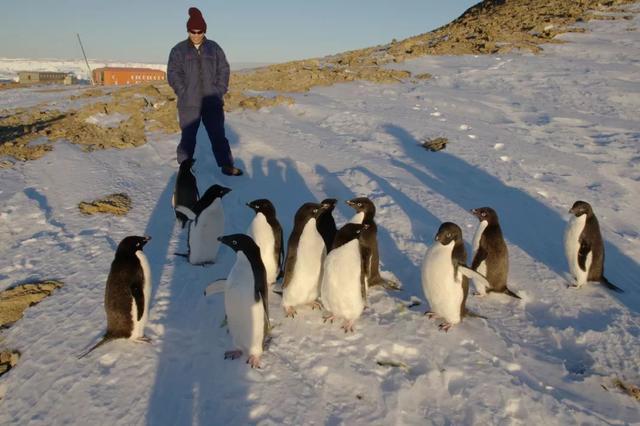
{"x": 198, "y": 72}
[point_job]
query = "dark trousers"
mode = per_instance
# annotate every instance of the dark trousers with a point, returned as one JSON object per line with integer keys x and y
{"x": 212, "y": 117}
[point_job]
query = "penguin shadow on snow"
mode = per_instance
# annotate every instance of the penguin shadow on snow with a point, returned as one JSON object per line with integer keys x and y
{"x": 526, "y": 222}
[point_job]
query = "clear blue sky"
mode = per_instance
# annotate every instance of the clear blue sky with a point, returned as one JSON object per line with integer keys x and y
{"x": 248, "y": 30}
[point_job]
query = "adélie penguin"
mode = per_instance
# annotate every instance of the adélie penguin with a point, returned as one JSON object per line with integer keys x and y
{"x": 127, "y": 293}
{"x": 343, "y": 290}
{"x": 267, "y": 234}
{"x": 205, "y": 226}
{"x": 306, "y": 252}
{"x": 246, "y": 301}
{"x": 445, "y": 277}
{"x": 365, "y": 212}
{"x": 490, "y": 253}
{"x": 584, "y": 247}
{"x": 185, "y": 192}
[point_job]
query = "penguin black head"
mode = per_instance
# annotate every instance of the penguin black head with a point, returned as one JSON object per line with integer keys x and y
{"x": 216, "y": 191}
{"x": 363, "y": 204}
{"x": 310, "y": 211}
{"x": 581, "y": 207}
{"x": 330, "y": 203}
{"x": 263, "y": 206}
{"x": 187, "y": 164}
{"x": 485, "y": 214}
{"x": 448, "y": 232}
{"x": 131, "y": 244}
{"x": 238, "y": 242}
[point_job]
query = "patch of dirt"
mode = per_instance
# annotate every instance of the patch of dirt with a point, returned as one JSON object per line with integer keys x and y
{"x": 435, "y": 144}
{"x": 8, "y": 360}
{"x": 14, "y": 301}
{"x": 116, "y": 204}
{"x": 147, "y": 108}
{"x": 631, "y": 390}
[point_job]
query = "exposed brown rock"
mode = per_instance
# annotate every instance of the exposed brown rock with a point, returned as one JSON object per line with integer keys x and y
{"x": 631, "y": 390}
{"x": 8, "y": 360}
{"x": 14, "y": 301}
{"x": 116, "y": 204}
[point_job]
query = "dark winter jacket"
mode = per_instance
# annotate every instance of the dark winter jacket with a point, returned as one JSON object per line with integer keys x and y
{"x": 198, "y": 74}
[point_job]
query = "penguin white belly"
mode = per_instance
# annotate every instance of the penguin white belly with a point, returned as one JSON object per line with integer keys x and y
{"x": 138, "y": 326}
{"x": 357, "y": 218}
{"x": 245, "y": 316}
{"x": 341, "y": 289}
{"x": 204, "y": 233}
{"x": 572, "y": 246}
{"x": 262, "y": 234}
{"x": 304, "y": 286}
{"x": 442, "y": 289}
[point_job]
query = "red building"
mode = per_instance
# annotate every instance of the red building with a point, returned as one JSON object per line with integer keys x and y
{"x": 110, "y": 76}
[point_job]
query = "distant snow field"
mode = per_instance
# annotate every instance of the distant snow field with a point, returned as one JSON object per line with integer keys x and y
{"x": 528, "y": 135}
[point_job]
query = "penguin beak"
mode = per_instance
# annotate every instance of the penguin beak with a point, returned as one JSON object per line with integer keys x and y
{"x": 437, "y": 238}
{"x": 349, "y": 203}
{"x": 474, "y": 212}
{"x": 146, "y": 239}
{"x": 225, "y": 191}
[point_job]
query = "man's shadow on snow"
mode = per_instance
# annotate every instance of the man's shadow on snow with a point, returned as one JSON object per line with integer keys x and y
{"x": 526, "y": 222}
{"x": 193, "y": 383}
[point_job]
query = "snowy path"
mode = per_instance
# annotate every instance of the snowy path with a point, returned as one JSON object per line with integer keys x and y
{"x": 528, "y": 136}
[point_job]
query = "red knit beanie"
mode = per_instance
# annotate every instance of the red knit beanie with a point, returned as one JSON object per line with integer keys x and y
{"x": 196, "y": 21}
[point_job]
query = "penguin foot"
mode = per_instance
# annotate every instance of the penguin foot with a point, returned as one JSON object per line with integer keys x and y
{"x": 233, "y": 354}
{"x": 315, "y": 305}
{"x": 347, "y": 326}
{"x": 329, "y": 317}
{"x": 445, "y": 326}
{"x": 430, "y": 315}
{"x": 254, "y": 361}
{"x": 143, "y": 339}
{"x": 290, "y": 311}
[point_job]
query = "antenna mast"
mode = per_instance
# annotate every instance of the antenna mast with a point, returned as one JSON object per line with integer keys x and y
{"x": 86, "y": 61}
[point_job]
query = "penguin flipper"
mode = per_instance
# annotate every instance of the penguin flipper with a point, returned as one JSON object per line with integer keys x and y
{"x": 512, "y": 294}
{"x": 262, "y": 291}
{"x": 279, "y": 249}
{"x": 186, "y": 211}
{"x": 610, "y": 285}
{"x": 481, "y": 255}
{"x": 137, "y": 291}
{"x": 363, "y": 282}
{"x": 215, "y": 287}
{"x": 476, "y": 276}
{"x": 583, "y": 252}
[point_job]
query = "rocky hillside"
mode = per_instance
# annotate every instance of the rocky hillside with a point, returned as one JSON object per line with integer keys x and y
{"x": 491, "y": 26}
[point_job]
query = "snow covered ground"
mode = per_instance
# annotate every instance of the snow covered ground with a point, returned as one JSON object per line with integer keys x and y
{"x": 528, "y": 135}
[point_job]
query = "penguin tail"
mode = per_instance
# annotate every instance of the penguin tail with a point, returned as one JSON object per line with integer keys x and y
{"x": 512, "y": 294}
{"x": 608, "y": 284}
{"x": 384, "y": 283}
{"x": 105, "y": 339}
{"x": 472, "y": 314}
